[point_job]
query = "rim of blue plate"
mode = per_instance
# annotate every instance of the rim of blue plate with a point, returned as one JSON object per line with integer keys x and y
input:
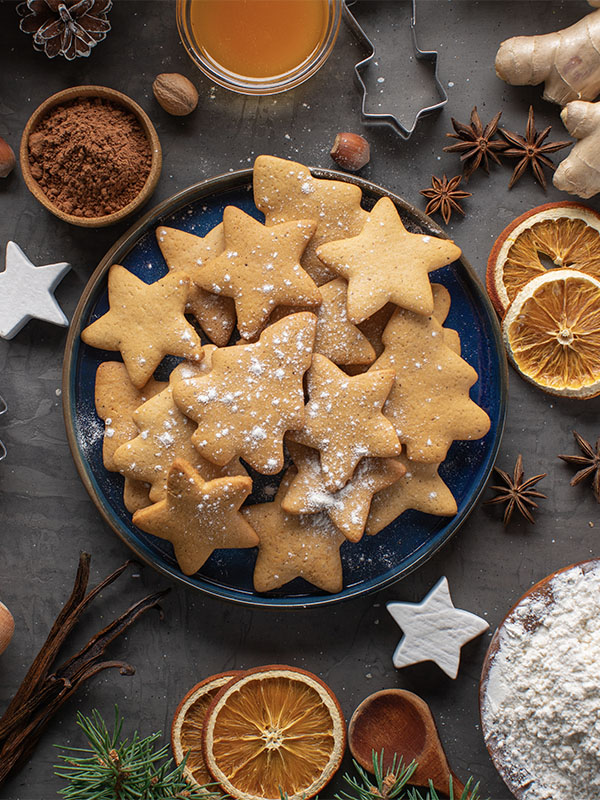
{"x": 240, "y": 179}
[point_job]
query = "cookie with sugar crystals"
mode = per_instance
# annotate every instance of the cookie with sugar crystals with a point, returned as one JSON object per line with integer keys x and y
{"x": 429, "y": 404}
{"x": 252, "y": 395}
{"x": 344, "y": 420}
{"x": 285, "y": 190}
{"x": 145, "y": 322}
{"x": 348, "y": 508}
{"x": 386, "y": 263}
{"x": 337, "y": 338}
{"x": 199, "y": 516}
{"x": 164, "y": 434}
{"x": 116, "y": 401}
{"x": 420, "y": 488}
{"x": 189, "y": 253}
{"x": 260, "y": 268}
{"x": 441, "y": 309}
{"x": 294, "y": 545}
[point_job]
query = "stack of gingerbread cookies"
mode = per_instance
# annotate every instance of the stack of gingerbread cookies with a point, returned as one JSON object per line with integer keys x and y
{"x": 342, "y": 365}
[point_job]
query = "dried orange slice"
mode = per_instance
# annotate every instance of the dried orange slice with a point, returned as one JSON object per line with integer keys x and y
{"x": 274, "y": 730}
{"x": 188, "y": 722}
{"x": 556, "y": 235}
{"x": 552, "y": 333}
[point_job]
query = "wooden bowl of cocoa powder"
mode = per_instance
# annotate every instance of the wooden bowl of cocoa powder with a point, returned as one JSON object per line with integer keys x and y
{"x": 90, "y": 155}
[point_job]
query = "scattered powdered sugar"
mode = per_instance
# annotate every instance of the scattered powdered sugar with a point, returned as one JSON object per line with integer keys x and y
{"x": 541, "y": 709}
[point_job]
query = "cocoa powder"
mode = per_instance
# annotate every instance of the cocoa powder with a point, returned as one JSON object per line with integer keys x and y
{"x": 90, "y": 157}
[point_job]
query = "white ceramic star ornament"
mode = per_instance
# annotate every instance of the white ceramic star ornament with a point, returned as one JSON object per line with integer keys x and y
{"x": 434, "y": 630}
{"x": 26, "y": 292}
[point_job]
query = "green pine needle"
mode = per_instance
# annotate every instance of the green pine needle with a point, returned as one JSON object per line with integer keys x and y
{"x": 393, "y": 783}
{"x": 115, "y": 769}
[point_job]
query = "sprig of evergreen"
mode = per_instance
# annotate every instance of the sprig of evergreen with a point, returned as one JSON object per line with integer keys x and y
{"x": 392, "y": 784}
{"x": 115, "y": 769}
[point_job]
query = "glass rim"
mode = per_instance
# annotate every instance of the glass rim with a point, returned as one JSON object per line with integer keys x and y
{"x": 260, "y": 86}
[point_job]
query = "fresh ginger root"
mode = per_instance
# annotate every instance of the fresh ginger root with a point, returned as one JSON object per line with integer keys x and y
{"x": 579, "y": 173}
{"x": 568, "y": 60}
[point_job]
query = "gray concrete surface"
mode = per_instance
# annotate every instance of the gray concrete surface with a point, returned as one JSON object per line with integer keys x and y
{"x": 46, "y": 516}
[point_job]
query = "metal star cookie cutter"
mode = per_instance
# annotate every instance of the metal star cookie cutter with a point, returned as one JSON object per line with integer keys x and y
{"x": 3, "y": 410}
{"x": 387, "y": 117}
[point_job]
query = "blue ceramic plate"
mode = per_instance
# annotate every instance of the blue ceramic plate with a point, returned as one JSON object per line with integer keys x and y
{"x": 374, "y": 561}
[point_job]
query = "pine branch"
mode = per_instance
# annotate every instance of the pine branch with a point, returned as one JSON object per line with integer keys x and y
{"x": 112, "y": 768}
{"x": 393, "y": 783}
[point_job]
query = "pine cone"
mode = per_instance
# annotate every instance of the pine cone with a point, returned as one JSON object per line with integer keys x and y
{"x": 68, "y": 28}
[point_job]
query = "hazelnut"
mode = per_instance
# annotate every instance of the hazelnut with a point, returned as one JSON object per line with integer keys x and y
{"x": 350, "y": 151}
{"x": 7, "y": 158}
{"x": 175, "y": 93}
{"x": 7, "y": 626}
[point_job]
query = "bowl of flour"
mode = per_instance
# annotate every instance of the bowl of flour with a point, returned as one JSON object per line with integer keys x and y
{"x": 540, "y": 689}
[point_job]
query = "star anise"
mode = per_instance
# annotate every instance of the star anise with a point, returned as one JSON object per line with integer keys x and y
{"x": 516, "y": 492}
{"x": 531, "y": 149}
{"x": 69, "y": 28}
{"x": 477, "y": 144}
{"x": 589, "y": 464}
{"x": 444, "y": 196}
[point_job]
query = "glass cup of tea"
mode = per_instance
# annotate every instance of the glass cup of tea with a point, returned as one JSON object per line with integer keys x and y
{"x": 259, "y": 46}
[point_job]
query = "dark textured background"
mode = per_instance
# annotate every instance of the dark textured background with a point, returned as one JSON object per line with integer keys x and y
{"x": 46, "y": 516}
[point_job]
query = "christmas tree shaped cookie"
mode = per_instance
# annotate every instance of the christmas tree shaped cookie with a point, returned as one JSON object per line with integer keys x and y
{"x": 116, "y": 400}
{"x": 198, "y": 516}
{"x": 344, "y": 421}
{"x": 145, "y": 322}
{"x": 294, "y": 545}
{"x": 429, "y": 404}
{"x": 164, "y": 434}
{"x": 285, "y": 190}
{"x": 260, "y": 268}
{"x": 386, "y": 263}
{"x": 189, "y": 253}
{"x": 252, "y": 395}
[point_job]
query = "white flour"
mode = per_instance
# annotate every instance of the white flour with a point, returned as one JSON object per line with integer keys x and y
{"x": 542, "y": 705}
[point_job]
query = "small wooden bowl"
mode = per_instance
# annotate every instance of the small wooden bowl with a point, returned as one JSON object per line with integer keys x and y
{"x": 543, "y": 591}
{"x": 74, "y": 93}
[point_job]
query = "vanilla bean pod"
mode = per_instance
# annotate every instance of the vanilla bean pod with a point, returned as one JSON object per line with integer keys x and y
{"x": 44, "y": 691}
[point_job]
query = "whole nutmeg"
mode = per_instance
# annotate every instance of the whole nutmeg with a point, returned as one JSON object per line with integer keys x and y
{"x": 350, "y": 151}
{"x": 7, "y": 627}
{"x": 7, "y": 158}
{"x": 175, "y": 93}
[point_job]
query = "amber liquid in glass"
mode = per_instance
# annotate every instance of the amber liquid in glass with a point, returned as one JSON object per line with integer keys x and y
{"x": 258, "y": 38}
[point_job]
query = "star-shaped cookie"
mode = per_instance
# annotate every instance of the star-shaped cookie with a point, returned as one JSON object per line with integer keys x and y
{"x": 198, "y": 516}
{"x": 252, "y": 395}
{"x": 294, "y": 545}
{"x": 27, "y": 292}
{"x": 189, "y": 253}
{"x": 344, "y": 421}
{"x": 429, "y": 404}
{"x": 386, "y": 263}
{"x": 434, "y": 630}
{"x": 285, "y": 190}
{"x": 420, "y": 488}
{"x": 349, "y": 507}
{"x": 337, "y": 338}
{"x": 163, "y": 435}
{"x": 260, "y": 268}
{"x": 145, "y": 322}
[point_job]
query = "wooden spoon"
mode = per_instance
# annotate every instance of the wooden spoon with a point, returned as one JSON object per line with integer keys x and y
{"x": 399, "y": 722}
{"x": 542, "y": 591}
